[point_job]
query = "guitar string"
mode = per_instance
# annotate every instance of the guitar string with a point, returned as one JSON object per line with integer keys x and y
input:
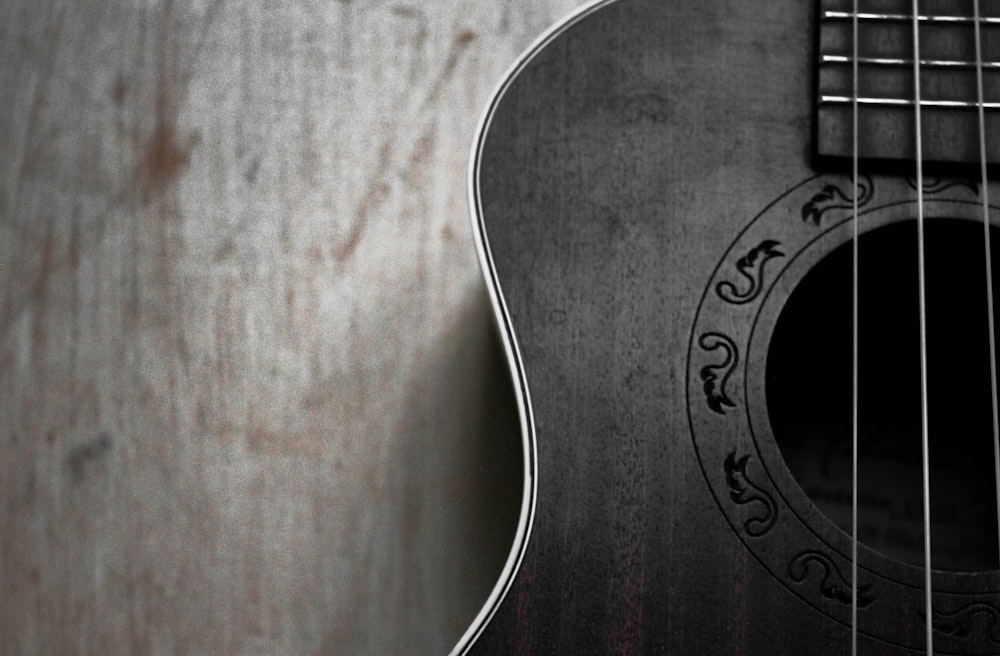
{"x": 854, "y": 346}
{"x": 985, "y": 198}
{"x": 923, "y": 330}
{"x": 922, "y": 300}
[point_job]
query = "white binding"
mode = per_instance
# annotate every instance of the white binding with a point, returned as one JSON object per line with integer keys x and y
{"x": 502, "y": 318}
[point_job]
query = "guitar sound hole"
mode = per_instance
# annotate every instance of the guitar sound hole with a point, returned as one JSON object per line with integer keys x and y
{"x": 809, "y": 379}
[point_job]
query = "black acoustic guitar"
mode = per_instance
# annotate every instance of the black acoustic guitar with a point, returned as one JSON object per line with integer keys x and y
{"x": 664, "y": 195}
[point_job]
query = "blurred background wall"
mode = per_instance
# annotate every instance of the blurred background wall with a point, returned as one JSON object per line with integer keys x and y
{"x": 250, "y": 401}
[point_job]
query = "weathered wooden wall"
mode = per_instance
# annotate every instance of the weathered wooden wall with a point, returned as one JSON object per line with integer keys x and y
{"x": 249, "y": 401}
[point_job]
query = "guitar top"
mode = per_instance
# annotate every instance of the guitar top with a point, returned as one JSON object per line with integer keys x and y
{"x": 665, "y": 222}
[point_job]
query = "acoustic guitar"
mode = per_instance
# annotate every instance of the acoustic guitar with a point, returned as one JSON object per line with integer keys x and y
{"x": 738, "y": 255}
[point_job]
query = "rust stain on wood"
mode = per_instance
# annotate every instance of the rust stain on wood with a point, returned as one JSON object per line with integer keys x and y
{"x": 417, "y": 183}
{"x": 314, "y": 254}
{"x": 41, "y": 283}
{"x": 379, "y": 191}
{"x": 458, "y": 46}
{"x": 265, "y": 440}
{"x": 423, "y": 148}
{"x": 39, "y": 292}
{"x": 119, "y": 91}
{"x": 164, "y": 156}
{"x": 418, "y": 17}
{"x": 268, "y": 442}
{"x": 376, "y": 195}
{"x": 225, "y": 250}
{"x": 202, "y": 413}
{"x": 407, "y": 12}
{"x": 351, "y": 244}
{"x": 164, "y": 160}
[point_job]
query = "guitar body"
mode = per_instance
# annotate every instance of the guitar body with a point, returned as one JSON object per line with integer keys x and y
{"x": 646, "y": 205}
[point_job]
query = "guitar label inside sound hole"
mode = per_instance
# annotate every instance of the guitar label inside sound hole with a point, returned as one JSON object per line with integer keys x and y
{"x": 809, "y": 381}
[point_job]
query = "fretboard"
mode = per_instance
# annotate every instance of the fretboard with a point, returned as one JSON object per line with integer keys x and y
{"x": 886, "y": 85}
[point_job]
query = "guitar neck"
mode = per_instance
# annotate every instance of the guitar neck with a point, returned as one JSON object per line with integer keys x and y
{"x": 886, "y": 90}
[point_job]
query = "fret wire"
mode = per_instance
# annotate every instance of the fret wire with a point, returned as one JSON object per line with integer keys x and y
{"x": 888, "y": 61}
{"x": 904, "y": 102}
{"x": 901, "y": 18}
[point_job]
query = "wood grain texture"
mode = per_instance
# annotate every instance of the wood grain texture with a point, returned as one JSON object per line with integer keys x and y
{"x": 249, "y": 400}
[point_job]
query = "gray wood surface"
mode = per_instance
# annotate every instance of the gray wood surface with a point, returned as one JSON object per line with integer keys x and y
{"x": 249, "y": 398}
